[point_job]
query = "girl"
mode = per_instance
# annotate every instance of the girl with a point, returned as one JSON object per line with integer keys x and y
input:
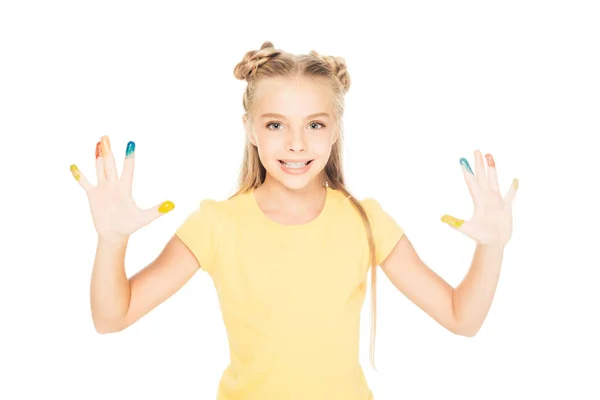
{"x": 290, "y": 251}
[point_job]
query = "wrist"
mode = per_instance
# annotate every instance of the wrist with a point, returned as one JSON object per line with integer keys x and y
{"x": 113, "y": 240}
{"x": 497, "y": 247}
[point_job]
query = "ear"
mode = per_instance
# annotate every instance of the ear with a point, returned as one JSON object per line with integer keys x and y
{"x": 248, "y": 130}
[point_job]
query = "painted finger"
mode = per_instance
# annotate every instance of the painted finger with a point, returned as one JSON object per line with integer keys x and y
{"x": 512, "y": 192}
{"x": 466, "y": 166}
{"x": 453, "y": 222}
{"x": 80, "y": 178}
{"x": 110, "y": 167}
{"x": 153, "y": 213}
{"x": 471, "y": 182}
{"x": 492, "y": 175}
{"x": 128, "y": 166}
{"x": 100, "y": 175}
{"x": 465, "y": 227}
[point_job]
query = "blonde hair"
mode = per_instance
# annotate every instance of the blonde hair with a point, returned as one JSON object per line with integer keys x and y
{"x": 268, "y": 62}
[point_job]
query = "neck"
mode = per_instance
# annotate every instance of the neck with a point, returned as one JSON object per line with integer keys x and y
{"x": 276, "y": 196}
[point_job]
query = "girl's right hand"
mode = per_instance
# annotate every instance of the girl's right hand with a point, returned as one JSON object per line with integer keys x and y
{"x": 114, "y": 212}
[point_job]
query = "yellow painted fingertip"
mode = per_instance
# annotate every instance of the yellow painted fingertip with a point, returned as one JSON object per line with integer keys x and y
{"x": 166, "y": 207}
{"x": 454, "y": 222}
{"x": 75, "y": 172}
{"x": 515, "y": 183}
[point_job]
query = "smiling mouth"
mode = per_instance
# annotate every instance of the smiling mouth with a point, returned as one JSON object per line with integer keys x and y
{"x": 291, "y": 164}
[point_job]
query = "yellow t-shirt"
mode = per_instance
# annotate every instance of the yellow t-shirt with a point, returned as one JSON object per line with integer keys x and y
{"x": 290, "y": 295}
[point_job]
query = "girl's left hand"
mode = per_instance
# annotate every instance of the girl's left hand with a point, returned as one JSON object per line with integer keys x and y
{"x": 491, "y": 223}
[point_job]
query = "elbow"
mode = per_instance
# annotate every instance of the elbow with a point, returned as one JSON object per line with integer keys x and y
{"x": 463, "y": 329}
{"x": 103, "y": 326}
{"x": 102, "y": 329}
{"x": 466, "y": 331}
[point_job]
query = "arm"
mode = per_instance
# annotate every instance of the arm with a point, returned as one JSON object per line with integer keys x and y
{"x": 118, "y": 302}
{"x": 461, "y": 310}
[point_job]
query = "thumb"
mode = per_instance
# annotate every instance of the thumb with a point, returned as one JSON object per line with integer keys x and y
{"x": 150, "y": 214}
{"x": 452, "y": 221}
{"x": 459, "y": 225}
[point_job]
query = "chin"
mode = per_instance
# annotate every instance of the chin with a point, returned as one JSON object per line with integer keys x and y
{"x": 294, "y": 184}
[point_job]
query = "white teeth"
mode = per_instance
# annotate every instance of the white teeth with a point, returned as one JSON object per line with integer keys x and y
{"x": 294, "y": 165}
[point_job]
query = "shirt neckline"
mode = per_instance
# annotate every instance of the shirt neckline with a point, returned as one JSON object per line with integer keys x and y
{"x": 277, "y": 225}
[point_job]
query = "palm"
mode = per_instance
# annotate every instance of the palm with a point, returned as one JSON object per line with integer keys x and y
{"x": 491, "y": 222}
{"x": 114, "y": 210}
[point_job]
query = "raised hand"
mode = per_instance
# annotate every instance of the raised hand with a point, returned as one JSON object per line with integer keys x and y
{"x": 114, "y": 212}
{"x": 491, "y": 223}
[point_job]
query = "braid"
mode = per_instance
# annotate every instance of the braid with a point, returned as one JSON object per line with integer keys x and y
{"x": 246, "y": 69}
{"x": 337, "y": 65}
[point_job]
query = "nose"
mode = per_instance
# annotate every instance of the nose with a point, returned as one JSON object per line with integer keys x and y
{"x": 296, "y": 142}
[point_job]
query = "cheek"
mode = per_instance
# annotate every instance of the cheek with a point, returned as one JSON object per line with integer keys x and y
{"x": 322, "y": 145}
{"x": 267, "y": 144}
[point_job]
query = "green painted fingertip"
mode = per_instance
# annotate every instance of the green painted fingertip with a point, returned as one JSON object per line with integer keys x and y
{"x": 130, "y": 149}
{"x": 466, "y": 166}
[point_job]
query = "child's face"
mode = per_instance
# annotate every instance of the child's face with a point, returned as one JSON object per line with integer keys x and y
{"x": 304, "y": 129}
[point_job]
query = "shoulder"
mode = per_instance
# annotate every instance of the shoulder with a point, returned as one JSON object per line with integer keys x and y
{"x": 370, "y": 205}
{"x": 355, "y": 207}
{"x": 375, "y": 211}
{"x": 348, "y": 201}
{"x": 209, "y": 220}
{"x": 223, "y": 210}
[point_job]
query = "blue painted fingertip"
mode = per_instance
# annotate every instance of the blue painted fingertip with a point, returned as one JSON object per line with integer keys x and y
{"x": 466, "y": 166}
{"x": 130, "y": 149}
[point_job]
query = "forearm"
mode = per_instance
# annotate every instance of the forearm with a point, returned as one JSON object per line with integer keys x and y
{"x": 473, "y": 297}
{"x": 109, "y": 289}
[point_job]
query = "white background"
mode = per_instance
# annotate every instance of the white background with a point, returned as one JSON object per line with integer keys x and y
{"x": 432, "y": 81}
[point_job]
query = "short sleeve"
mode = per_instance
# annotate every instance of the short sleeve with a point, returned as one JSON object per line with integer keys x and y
{"x": 197, "y": 232}
{"x": 386, "y": 231}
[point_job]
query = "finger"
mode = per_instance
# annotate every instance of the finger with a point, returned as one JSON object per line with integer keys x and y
{"x": 466, "y": 166}
{"x": 128, "y": 166}
{"x": 465, "y": 227}
{"x": 492, "y": 175}
{"x": 470, "y": 181}
{"x": 153, "y": 213}
{"x": 453, "y": 222}
{"x": 512, "y": 192}
{"x": 110, "y": 168}
{"x": 100, "y": 163}
{"x": 480, "y": 174}
{"x": 80, "y": 178}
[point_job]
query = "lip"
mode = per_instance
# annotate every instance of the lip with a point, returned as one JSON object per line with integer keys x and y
{"x": 295, "y": 161}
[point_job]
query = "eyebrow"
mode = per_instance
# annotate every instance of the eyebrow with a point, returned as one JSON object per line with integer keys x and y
{"x": 271, "y": 115}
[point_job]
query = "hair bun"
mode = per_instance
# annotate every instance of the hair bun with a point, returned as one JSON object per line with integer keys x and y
{"x": 338, "y": 67}
{"x": 253, "y": 59}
